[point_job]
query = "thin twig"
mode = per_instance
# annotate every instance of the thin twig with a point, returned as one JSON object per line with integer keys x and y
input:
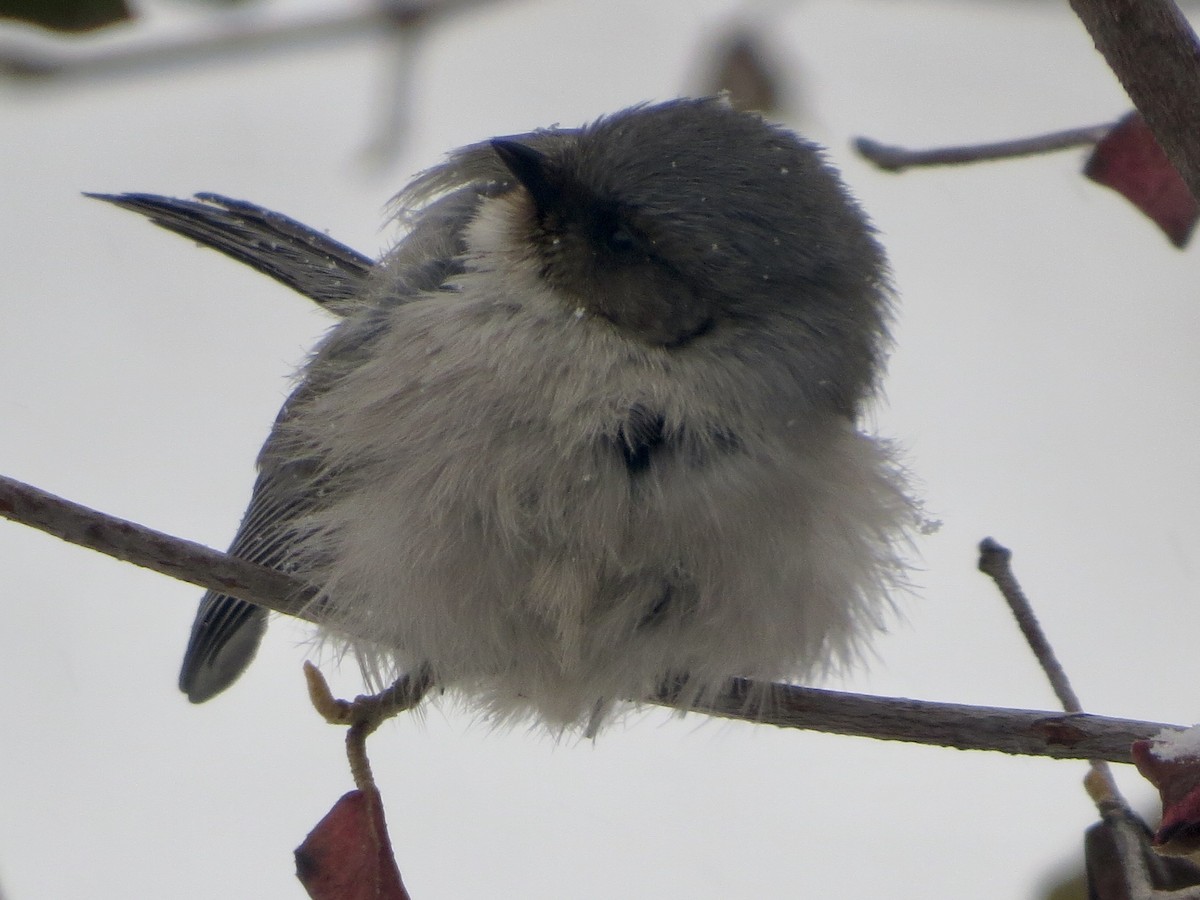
{"x": 895, "y": 159}
{"x": 995, "y": 561}
{"x": 228, "y": 36}
{"x": 1027, "y": 732}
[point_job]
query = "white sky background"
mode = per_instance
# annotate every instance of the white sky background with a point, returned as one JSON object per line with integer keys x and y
{"x": 1044, "y": 382}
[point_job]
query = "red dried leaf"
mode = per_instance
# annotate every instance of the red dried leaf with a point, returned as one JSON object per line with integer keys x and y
{"x": 348, "y": 855}
{"x": 1129, "y": 160}
{"x": 1178, "y": 783}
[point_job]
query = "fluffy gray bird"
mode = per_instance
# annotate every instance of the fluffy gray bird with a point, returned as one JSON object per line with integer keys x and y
{"x": 589, "y": 429}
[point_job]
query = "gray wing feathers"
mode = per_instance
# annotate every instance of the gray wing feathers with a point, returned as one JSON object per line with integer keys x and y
{"x": 227, "y": 631}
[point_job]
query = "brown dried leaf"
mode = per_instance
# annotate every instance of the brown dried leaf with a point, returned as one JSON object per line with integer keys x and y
{"x": 348, "y": 855}
{"x": 1129, "y": 160}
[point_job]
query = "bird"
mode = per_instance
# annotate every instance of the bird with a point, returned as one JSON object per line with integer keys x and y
{"x": 593, "y": 427}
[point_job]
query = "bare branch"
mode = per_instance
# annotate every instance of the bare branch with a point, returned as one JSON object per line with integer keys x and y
{"x": 1032, "y": 733}
{"x": 171, "y": 556}
{"x": 896, "y": 159}
{"x": 1016, "y": 731}
{"x": 1155, "y": 54}
{"x": 39, "y": 57}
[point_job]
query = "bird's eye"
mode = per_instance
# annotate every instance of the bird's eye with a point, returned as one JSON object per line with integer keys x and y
{"x": 614, "y": 234}
{"x": 621, "y": 240}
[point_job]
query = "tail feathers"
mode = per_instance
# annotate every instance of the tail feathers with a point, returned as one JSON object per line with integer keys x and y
{"x": 225, "y": 638}
{"x": 306, "y": 260}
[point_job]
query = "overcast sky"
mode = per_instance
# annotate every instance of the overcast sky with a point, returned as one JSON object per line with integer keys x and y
{"x": 1043, "y": 384}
